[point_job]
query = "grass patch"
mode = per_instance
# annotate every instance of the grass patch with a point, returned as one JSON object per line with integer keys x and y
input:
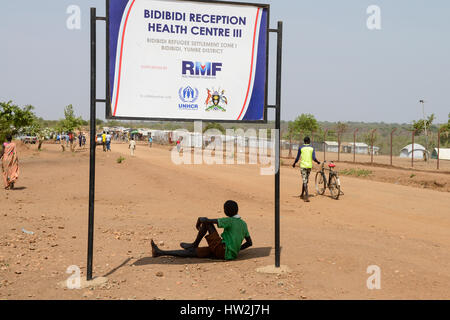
{"x": 120, "y": 159}
{"x": 412, "y": 175}
{"x": 356, "y": 172}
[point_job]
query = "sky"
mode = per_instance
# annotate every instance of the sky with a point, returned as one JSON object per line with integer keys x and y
{"x": 334, "y": 67}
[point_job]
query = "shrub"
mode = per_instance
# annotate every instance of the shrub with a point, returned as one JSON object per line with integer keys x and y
{"x": 356, "y": 172}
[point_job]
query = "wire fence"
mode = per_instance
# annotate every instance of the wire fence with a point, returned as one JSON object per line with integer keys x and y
{"x": 397, "y": 148}
{"x": 394, "y": 147}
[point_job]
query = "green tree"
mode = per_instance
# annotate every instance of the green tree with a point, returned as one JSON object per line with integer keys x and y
{"x": 305, "y": 123}
{"x": 70, "y": 121}
{"x": 341, "y": 127}
{"x": 214, "y": 125}
{"x": 369, "y": 139}
{"x": 420, "y": 125}
{"x": 13, "y": 118}
{"x": 290, "y": 133}
{"x": 445, "y": 133}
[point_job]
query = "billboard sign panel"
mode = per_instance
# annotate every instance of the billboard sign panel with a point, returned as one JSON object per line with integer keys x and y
{"x": 187, "y": 60}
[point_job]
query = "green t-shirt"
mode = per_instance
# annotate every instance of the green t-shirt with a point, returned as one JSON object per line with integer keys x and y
{"x": 235, "y": 231}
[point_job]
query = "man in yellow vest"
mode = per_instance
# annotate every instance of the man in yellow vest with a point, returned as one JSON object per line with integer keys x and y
{"x": 306, "y": 154}
{"x": 104, "y": 141}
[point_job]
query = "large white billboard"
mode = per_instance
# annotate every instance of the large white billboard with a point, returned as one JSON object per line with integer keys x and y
{"x": 187, "y": 60}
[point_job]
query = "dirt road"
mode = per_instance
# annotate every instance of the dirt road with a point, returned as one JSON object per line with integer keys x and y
{"x": 328, "y": 244}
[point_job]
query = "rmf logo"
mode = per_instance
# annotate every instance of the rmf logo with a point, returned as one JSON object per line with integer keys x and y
{"x": 201, "y": 69}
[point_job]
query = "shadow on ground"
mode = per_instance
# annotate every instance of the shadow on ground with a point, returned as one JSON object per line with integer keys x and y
{"x": 251, "y": 253}
{"x": 18, "y": 189}
{"x": 117, "y": 268}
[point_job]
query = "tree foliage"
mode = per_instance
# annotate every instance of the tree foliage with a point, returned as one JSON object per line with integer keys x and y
{"x": 305, "y": 123}
{"x": 214, "y": 125}
{"x": 419, "y": 125}
{"x": 445, "y": 133}
{"x": 370, "y": 139}
{"x": 341, "y": 127}
{"x": 70, "y": 121}
{"x": 13, "y": 119}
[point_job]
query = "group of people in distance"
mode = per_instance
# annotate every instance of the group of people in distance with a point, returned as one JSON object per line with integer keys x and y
{"x": 106, "y": 141}
{"x": 68, "y": 140}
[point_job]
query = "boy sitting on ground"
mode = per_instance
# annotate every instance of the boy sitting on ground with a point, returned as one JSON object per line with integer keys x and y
{"x": 226, "y": 247}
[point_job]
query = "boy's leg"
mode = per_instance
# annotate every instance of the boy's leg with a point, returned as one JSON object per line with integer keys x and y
{"x": 306, "y": 197}
{"x": 204, "y": 228}
{"x": 303, "y": 189}
{"x": 156, "y": 252}
{"x": 305, "y": 177}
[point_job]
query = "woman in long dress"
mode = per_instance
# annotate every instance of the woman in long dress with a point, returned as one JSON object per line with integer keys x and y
{"x": 10, "y": 163}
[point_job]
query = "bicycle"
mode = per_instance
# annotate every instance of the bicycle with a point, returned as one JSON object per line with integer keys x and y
{"x": 333, "y": 182}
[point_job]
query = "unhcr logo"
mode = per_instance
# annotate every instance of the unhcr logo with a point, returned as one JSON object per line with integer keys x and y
{"x": 188, "y": 96}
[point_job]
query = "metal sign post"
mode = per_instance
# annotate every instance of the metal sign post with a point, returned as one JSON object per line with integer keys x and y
{"x": 93, "y": 131}
{"x": 93, "y": 142}
{"x": 107, "y": 101}
{"x": 277, "y": 108}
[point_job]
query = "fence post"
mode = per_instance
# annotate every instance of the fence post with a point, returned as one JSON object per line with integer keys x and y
{"x": 339, "y": 145}
{"x": 371, "y": 141}
{"x": 438, "y": 145}
{"x": 412, "y": 151}
{"x": 290, "y": 144}
{"x": 354, "y": 145}
{"x": 392, "y": 132}
{"x": 324, "y": 144}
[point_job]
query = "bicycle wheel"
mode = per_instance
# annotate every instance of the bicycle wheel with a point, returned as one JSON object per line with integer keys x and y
{"x": 335, "y": 188}
{"x": 320, "y": 183}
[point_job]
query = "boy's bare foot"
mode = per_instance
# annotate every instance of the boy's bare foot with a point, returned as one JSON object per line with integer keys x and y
{"x": 187, "y": 246}
{"x": 155, "y": 250}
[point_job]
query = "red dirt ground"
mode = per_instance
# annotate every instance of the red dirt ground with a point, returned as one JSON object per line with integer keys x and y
{"x": 328, "y": 244}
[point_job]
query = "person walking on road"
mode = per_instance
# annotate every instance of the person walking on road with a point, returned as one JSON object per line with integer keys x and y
{"x": 150, "y": 140}
{"x": 179, "y": 141}
{"x": 132, "y": 146}
{"x": 10, "y": 163}
{"x": 80, "y": 139}
{"x": 71, "y": 141}
{"x": 108, "y": 142}
{"x": 306, "y": 154}
{"x": 104, "y": 141}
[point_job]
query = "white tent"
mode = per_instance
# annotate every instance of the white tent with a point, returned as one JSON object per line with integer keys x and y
{"x": 444, "y": 153}
{"x": 406, "y": 152}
